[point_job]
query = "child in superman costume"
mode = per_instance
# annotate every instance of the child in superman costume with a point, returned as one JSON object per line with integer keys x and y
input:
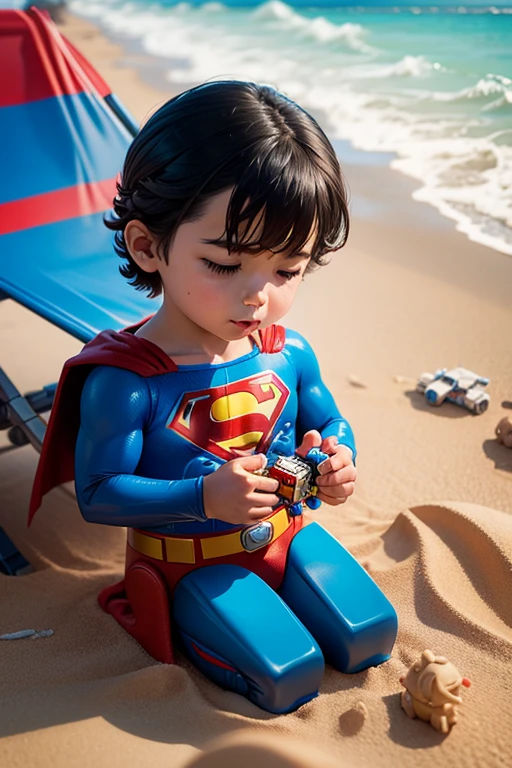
{"x": 229, "y": 194}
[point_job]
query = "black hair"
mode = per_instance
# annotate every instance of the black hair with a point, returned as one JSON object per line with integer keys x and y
{"x": 284, "y": 173}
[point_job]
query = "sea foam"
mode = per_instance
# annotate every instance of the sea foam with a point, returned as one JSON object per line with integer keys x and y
{"x": 454, "y": 140}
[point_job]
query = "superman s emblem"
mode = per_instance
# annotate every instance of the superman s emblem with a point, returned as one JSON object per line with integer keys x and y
{"x": 234, "y": 419}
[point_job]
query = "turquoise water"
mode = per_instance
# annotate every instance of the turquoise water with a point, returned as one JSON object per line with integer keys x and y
{"x": 431, "y": 84}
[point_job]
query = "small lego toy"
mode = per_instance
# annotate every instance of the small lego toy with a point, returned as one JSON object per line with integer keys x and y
{"x": 504, "y": 431}
{"x": 458, "y": 386}
{"x": 297, "y": 479}
{"x": 432, "y": 685}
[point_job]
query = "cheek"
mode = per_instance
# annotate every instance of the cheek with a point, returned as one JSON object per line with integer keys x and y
{"x": 204, "y": 294}
{"x": 283, "y": 297}
{"x": 190, "y": 288}
{"x": 210, "y": 290}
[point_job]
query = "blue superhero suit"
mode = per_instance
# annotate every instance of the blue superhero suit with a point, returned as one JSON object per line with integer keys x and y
{"x": 260, "y": 613}
{"x": 142, "y": 463}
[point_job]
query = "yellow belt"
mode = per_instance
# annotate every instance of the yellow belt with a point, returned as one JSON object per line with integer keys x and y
{"x": 177, "y": 549}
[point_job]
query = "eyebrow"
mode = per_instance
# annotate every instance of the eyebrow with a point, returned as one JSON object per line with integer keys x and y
{"x": 222, "y": 244}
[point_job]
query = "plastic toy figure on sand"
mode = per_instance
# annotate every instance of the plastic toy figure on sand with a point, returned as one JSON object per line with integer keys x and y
{"x": 458, "y": 386}
{"x": 432, "y": 685}
{"x": 228, "y": 196}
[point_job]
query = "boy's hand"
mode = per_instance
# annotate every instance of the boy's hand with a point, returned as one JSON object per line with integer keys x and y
{"x": 235, "y": 495}
{"x": 337, "y": 473}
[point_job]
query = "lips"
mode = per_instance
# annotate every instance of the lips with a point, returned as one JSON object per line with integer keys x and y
{"x": 246, "y": 325}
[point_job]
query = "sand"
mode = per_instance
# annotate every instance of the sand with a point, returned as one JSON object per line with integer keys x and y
{"x": 430, "y": 519}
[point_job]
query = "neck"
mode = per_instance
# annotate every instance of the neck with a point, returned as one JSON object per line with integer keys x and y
{"x": 182, "y": 339}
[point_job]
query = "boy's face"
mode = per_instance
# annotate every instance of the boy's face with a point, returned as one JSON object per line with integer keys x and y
{"x": 228, "y": 295}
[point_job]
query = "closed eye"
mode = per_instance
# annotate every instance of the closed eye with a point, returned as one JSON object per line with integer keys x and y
{"x": 222, "y": 269}
{"x": 230, "y": 269}
{"x": 288, "y": 275}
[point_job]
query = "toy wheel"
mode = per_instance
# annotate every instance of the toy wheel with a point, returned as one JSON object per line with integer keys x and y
{"x": 431, "y": 397}
{"x": 481, "y": 407}
{"x": 17, "y": 436}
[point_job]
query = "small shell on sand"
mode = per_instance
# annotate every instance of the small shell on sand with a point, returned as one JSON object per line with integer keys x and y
{"x": 355, "y": 381}
{"x": 503, "y": 431}
{"x": 353, "y": 719}
{"x": 23, "y": 633}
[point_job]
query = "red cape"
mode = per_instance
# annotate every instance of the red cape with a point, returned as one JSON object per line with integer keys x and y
{"x": 121, "y": 350}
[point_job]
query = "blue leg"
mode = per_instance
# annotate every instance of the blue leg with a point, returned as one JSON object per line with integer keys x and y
{"x": 335, "y": 598}
{"x": 241, "y": 635}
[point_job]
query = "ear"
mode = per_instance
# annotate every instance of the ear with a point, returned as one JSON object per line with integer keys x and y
{"x": 440, "y": 693}
{"x": 141, "y": 245}
{"x": 426, "y": 682}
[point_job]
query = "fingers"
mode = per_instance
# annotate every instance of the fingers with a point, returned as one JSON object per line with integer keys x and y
{"x": 341, "y": 457}
{"x": 333, "y": 502}
{"x": 259, "y": 513}
{"x": 259, "y": 500}
{"x": 337, "y": 481}
{"x": 311, "y": 439}
{"x": 329, "y": 444}
{"x": 265, "y": 484}
{"x": 252, "y": 462}
{"x": 338, "y": 477}
{"x": 336, "y": 495}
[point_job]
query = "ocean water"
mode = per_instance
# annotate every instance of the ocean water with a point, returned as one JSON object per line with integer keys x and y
{"x": 430, "y": 84}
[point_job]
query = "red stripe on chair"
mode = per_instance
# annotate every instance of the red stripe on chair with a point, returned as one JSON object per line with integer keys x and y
{"x": 67, "y": 203}
{"x": 36, "y": 62}
{"x": 97, "y": 81}
{"x": 211, "y": 659}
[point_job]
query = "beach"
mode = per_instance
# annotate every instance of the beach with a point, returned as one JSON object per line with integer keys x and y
{"x": 430, "y": 519}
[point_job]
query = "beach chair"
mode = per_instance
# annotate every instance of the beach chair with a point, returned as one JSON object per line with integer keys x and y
{"x": 63, "y": 138}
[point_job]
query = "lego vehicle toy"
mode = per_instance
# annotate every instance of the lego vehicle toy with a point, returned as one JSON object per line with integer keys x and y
{"x": 297, "y": 479}
{"x": 457, "y": 385}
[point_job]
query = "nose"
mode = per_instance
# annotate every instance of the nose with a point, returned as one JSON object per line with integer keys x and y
{"x": 255, "y": 298}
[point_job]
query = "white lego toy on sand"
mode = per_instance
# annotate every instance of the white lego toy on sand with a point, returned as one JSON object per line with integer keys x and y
{"x": 457, "y": 385}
